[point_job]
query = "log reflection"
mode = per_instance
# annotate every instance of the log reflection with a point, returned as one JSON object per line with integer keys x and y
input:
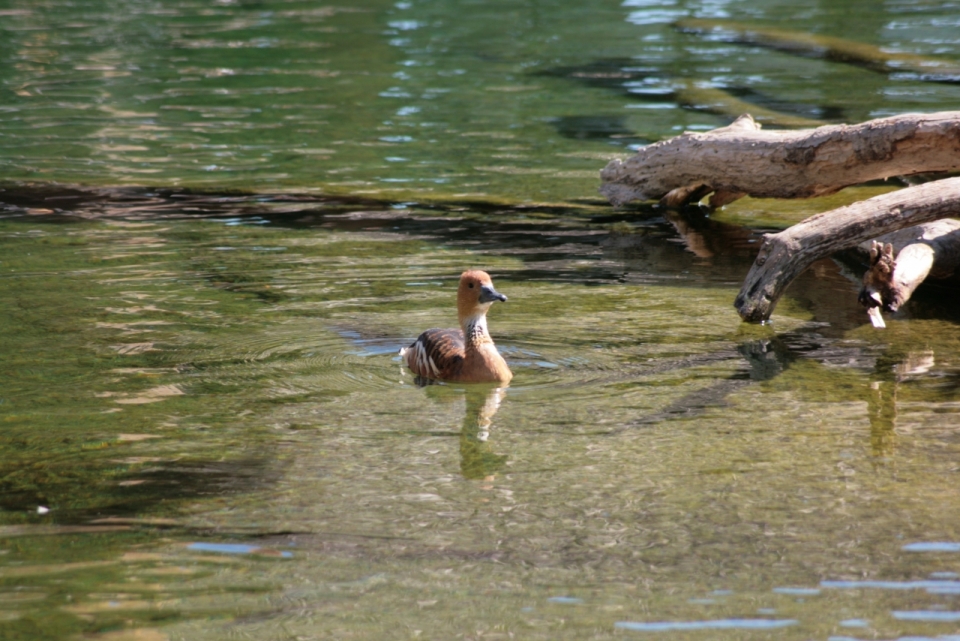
{"x": 882, "y": 400}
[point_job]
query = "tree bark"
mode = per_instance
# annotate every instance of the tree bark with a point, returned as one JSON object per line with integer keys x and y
{"x": 783, "y": 256}
{"x": 741, "y": 159}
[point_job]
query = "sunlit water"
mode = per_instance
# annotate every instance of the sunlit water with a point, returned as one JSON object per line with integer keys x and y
{"x": 473, "y": 98}
{"x": 205, "y": 431}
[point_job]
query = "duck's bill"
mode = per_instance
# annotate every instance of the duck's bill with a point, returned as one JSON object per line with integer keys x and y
{"x": 488, "y": 295}
{"x": 875, "y": 317}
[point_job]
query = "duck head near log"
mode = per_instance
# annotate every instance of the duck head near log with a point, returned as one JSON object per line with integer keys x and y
{"x": 879, "y": 291}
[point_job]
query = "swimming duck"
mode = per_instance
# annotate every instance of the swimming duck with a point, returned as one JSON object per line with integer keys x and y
{"x": 465, "y": 355}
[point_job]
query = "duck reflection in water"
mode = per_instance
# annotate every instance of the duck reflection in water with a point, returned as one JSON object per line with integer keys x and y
{"x": 478, "y": 460}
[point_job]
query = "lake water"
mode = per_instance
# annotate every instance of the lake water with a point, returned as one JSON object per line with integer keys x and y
{"x": 219, "y": 221}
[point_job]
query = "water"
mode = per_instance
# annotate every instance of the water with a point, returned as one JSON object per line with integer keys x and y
{"x": 221, "y": 220}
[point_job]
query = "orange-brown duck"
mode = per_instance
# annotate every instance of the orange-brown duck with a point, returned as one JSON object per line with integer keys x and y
{"x": 465, "y": 355}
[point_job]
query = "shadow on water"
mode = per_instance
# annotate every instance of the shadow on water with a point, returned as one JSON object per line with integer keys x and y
{"x": 598, "y": 127}
{"x": 543, "y": 236}
{"x": 140, "y": 488}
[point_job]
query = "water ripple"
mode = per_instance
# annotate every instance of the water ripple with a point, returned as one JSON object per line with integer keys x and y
{"x": 716, "y": 624}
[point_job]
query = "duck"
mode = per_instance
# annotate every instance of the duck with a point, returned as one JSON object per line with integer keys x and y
{"x": 467, "y": 354}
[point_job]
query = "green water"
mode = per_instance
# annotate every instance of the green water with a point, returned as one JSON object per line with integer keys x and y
{"x": 220, "y": 221}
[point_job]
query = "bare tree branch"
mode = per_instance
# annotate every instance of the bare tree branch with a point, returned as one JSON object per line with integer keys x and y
{"x": 741, "y": 159}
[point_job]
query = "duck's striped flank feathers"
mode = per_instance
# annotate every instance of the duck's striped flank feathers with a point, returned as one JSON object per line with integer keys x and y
{"x": 436, "y": 354}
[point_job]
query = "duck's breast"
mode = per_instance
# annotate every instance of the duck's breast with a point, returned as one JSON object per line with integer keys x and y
{"x": 485, "y": 365}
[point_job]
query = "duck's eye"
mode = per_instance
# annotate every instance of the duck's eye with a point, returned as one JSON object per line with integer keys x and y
{"x": 470, "y": 285}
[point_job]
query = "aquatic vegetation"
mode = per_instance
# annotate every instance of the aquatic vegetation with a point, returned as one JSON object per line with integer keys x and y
{"x": 829, "y": 47}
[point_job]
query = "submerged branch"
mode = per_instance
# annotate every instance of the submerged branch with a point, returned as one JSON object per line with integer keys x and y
{"x": 830, "y": 48}
{"x": 704, "y": 97}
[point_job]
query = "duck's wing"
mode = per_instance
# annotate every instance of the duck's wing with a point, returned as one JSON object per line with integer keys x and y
{"x": 437, "y": 353}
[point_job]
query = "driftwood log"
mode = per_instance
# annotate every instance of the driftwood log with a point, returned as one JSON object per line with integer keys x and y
{"x": 783, "y": 256}
{"x": 741, "y": 159}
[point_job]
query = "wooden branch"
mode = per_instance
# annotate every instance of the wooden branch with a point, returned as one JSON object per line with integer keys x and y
{"x": 741, "y": 159}
{"x": 783, "y": 256}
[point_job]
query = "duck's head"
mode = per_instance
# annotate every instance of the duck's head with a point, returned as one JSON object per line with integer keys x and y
{"x": 878, "y": 291}
{"x": 476, "y": 293}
